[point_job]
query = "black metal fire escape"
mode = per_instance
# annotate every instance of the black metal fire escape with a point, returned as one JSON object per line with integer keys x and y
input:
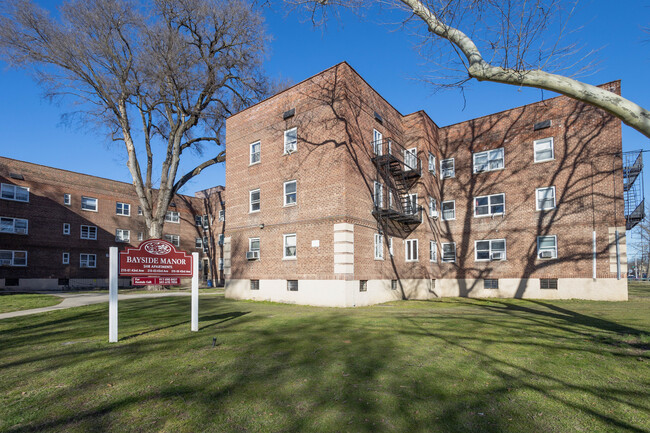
{"x": 633, "y": 190}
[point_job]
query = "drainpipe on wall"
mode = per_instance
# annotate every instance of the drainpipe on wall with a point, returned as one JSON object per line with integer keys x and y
{"x": 618, "y": 258}
{"x": 594, "y": 264}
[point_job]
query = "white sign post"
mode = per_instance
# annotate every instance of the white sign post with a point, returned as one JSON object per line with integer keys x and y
{"x": 112, "y": 295}
{"x": 195, "y": 292}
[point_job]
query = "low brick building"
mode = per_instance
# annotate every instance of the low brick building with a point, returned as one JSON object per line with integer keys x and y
{"x": 335, "y": 198}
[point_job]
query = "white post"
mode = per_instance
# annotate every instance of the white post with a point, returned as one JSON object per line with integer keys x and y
{"x": 195, "y": 292}
{"x": 112, "y": 295}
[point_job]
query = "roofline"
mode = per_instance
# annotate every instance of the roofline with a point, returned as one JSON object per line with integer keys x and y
{"x": 426, "y": 114}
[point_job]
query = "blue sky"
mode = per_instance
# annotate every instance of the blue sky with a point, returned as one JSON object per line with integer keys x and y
{"x": 32, "y": 128}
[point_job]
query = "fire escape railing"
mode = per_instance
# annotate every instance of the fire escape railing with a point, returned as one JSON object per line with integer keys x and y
{"x": 632, "y": 190}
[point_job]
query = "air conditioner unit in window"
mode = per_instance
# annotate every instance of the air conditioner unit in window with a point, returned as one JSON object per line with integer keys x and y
{"x": 434, "y": 214}
{"x": 546, "y": 254}
{"x": 252, "y": 255}
{"x": 498, "y": 255}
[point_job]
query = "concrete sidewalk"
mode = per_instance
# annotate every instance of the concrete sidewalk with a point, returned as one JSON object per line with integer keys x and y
{"x": 71, "y": 300}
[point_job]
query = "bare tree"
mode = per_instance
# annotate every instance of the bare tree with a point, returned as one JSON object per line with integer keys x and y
{"x": 174, "y": 68}
{"x": 500, "y": 41}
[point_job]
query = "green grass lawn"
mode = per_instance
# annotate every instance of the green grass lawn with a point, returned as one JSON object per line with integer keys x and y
{"x": 453, "y": 365}
{"x": 15, "y": 302}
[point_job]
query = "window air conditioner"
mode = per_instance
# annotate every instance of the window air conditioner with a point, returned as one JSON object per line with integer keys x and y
{"x": 546, "y": 254}
{"x": 497, "y": 256}
{"x": 252, "y": 255}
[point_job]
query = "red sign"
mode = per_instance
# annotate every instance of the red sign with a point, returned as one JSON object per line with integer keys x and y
{"x": 155, "y": 257}
{"x": 153, "y": 281}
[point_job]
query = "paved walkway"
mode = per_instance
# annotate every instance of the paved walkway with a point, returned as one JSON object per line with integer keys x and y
{"x": 71, "y": 300}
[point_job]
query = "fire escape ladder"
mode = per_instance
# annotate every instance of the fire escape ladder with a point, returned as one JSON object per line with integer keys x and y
{"x": 632, "y": 189}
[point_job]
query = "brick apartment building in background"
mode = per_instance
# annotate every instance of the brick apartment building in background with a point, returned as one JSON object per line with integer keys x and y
{"x": 335, "y": 198}
{"x": 56, "y": 226}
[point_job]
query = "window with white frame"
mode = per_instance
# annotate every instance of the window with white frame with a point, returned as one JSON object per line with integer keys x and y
{"x": 122, "y": 235}
{"x": 448, "y": 210}
{"x": 432, "y": 163}
{"x": 87, "y": 260}
{"x": 377, "y": 142}
{"x": 254, "y": 244}
{"x": 89, "y": 232}
{"x": 172, "y": 217}
{"x": 198, "y": 220}
{"x": 66, "y": 259}
{"x": 489, "y": 160}
{"x": 173, "y": 239}
{"x": 544, "y": 150}
{"x": 205, "y": 221}
{"x": 13, "y": 225}
{"x": 411, "y": 159}
{"x": 290, "y": 193}
{"x": 379, "y": 246}
{"x": 67, "y": 199}
{"x": 198, "y": 243}
{"x": 547, "y": 247}
{"x": 412, "y": 204}
{"x": 222, "y": 215}
{"x": 206, "y": 244}
{"x": 13, "y": 258}
{"x": 411, "y": 250}
{"x": 390, "y": 247}
{"x": 449, "y": 252}
{"x": 255, "y": 152}
{"x": 489, "y": 205}
{"x": 545, "y": 198}
{"x": 139, "y": 210}
{"x": 378, "y": 197}
{"x": 491, "y": 249}
{"x": 290, "y": 140}
{"x": 14, "y": 192}
{"x": 433, "y": 251}
{"x": 254, "y": 200}
{"x": 447, "y": 168}
{"x": 140, "y": 236}
{"x": 122, "y": 209}
{"x": 89, "y": 204}
{"x": 289, "y": 246}
{"x": 66, "y": 228}
{"x": 433, "y": 208}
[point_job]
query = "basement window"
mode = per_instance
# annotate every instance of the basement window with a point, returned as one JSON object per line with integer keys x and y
{"x": 292, "y": 285}
{"x": 393, "y": 284}
{"x": 363, "y": 285}
{"x": 490, "y": 283}
{"x": 548, "y": 283}
{"x": 255, "y": 284}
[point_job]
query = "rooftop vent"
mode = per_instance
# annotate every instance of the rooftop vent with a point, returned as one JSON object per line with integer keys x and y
{"x": 542, "y": 125}
{"x": 378, "y": 117}
{"x": 289, "y": 113}
{"x": 16, "y": 176}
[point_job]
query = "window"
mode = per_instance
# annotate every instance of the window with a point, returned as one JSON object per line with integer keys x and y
{"x": 378, "y": 197}
{"x": 545, "y": 198}
{"x": 255, "y": 284}
{"x": 433, "y": 208}
{"x": 490, "y": 283}
{"x": 13, "y": 258}
{"x": 13, "y": 225}
{"x": 447, "y": 168}
{"x": 290, "y": 193}
{"x": 433, "y": 253}
{"x": 379, "y": 247}
{"x": 548, "y": 283}
{"x": 290, "y": 140}
{"x": 289, "y": 246}
{"x": 493, "y": 249}
{"x": 432, "y": 164}
{"x": 412, "y": 204}
{"x": 488, "y": 160}
{"x": 448, "y": 209}
{"x": 547, "y": 247}
{"x": 220, "y": 263}
{"x": 67, "y": 199}
{"x": 89, "y": 203}
{"x": 377, "y": 142}
{"x": 14, "y": 192}
{"x": 198, "y": 220}
{"x": 198, "y": 243}
{"x": 222, "y": 215}
{"x": 411, "y": 159}
{"x": 449, "y": 252}
{"x": 87, "y": 260}
{"x": 489, "y": 205}
{"x": 66, "y": 228}
{"x": 544, "y": 149}
{"x": 393, "y": 284}
{"x": 205, "y": 221}
{"x": 255, "y": 153}
{"x": 206, "y": 244}
{"x": 140, "y": 210}
{"x": 433, "y": 283}
{"x": 390, "y": 247}
{"x": 173, "y": 239}
{"x": 122, "y": 209}
{"x": 66, "y": 259}
{"x": 122, "y": 235}
{"x": 411, "y": 250}
{"x": 140, "y": 236}
{"x": 254, "y": 199}
{"x": 363, "y": 285}
{"x": 172, "y": 217}
{"x": 292, "y": 285}
{"x": 254, "y": 244}
{"x": 88, "y": 232}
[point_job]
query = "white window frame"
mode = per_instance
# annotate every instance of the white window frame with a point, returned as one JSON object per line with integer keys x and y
{"x": 488, "y": 154}
{"x": 119, "y": 235}
{"x": 543, "y": 141}
{"x": 139, "y": 210}
{"x": 433, "y": 251}
{"x": 12, "y": 260}
{"x": 444, "y": 174}
{"x": 85, "y": 262}
{"x": 378, "y": 195}
{"x": 253, "y": 154}
{"x": 140, "y": 236}
{"x": 413, "y": 200}
{"x": 222, "y": 215}
{"x": 251, "y": 202}
{"x": 442, "y": 210}
{"x": 489, "y": 205}
{"x": 198, "y": 243}
{"x": 537, "y": 191}
{"x": 13, "y": 221}
{"x": 408, "y": 250}
{"x": 442, "y": 258}
{"x": 67, "y": 199}
{"x": 377, "y": 142}
{"x": 285, "y": 246}
{"x": 379, "y": 246}
{"x": 89, "y": 230}
{"x": 126, "y": 208}
{"x": 6, "y": 187}
{"x": 173, "y": 239}
{"x": 286, "y": 194}
{"x": 295, "y": 144}
{"x": 390, "y": 247}
{"x": 490, "y": 250}
{"x": 433, "y": 207}
{"x": 173, "y": 216}
{"x": 65, "y": 259}
{"x": 432, "y": 163}
{"x": 83, "y": 197}
{"x": 250, "y": 244}
{"x": 66, "y": 229}
{"x": 553, "y": 250}
{"x": 411, "y": 159}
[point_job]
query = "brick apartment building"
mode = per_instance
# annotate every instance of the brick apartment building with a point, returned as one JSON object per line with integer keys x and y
{"x": 335, "y": 198}
{"x": 56, "y": 226}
